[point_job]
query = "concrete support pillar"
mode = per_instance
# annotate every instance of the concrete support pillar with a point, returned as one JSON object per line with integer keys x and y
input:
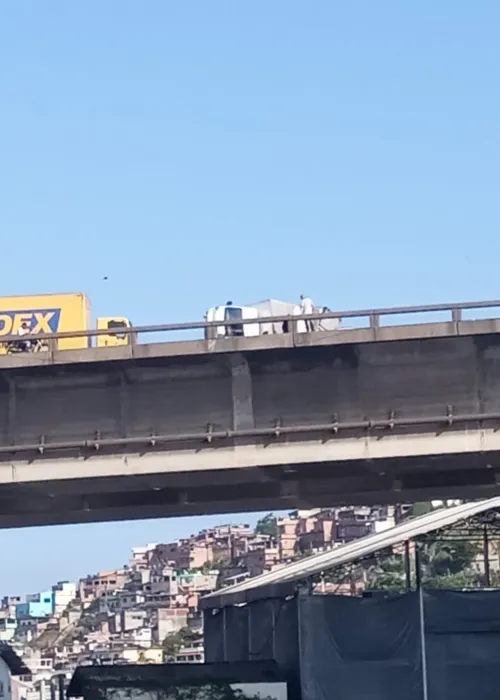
{"x": 243, "y": 416}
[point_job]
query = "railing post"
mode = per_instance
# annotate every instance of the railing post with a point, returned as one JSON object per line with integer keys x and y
{"x": 456, "y": 315}
{"x": 374, "y": 320}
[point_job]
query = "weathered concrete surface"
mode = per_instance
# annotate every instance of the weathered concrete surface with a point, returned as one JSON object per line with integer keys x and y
{"x": 79, "y": 406}
{"x": 297, "y": 386}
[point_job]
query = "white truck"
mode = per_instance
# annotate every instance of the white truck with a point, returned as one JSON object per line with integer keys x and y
{"x": 260, "y": 310}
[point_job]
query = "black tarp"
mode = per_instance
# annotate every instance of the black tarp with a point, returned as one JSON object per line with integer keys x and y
{"x": 351, "y": 648}
{"x": 354, "y": 648}
{"x": 265, "y": 629}
{"x": 462, "y": 641}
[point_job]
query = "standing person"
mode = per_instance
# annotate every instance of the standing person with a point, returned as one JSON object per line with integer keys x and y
{"x": 306, "y": 308}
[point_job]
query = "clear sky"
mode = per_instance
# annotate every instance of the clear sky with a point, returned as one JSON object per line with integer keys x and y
{"x": 204, "y": 150}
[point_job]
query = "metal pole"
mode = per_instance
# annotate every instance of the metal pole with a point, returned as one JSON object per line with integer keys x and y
{"x": 249, "y": 624}
{"x": 418, "y": 571}
{"x": 62, "y": 685}
{"x": 486, "y": 550}
{"x": 301, "y": 671}
{"x": 274, "y": 618}
{"x": 53, "y": 694}
{"x": 423, "y": 647}
{"x": 224, "y": 634}
{"x": 407, "y": 565}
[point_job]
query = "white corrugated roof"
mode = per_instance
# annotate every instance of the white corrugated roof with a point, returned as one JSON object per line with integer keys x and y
{"x": 358, "y": 549}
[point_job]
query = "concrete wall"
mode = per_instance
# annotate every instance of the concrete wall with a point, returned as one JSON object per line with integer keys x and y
{"x": 307, "y": 385}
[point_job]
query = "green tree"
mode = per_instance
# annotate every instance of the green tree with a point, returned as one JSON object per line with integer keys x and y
{"x": 449, "y": 564}
{"x": 268, "y": 525}
{"x": 207, "y": 691}
{"x": 174, "y": 641}
{"x": 387, "y": 573}
{"x": 171, "y": 646}
{"x": 187, "y": 635}
{"x": 444, "y": 564}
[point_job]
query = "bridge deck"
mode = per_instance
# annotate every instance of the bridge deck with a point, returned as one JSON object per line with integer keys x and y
{"x": 380, "y": 414}
{"x": 265, "y": 476}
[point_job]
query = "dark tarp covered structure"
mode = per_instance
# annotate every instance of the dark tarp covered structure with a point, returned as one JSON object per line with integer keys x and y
{"x": 16, "y": 665}
{"x": 446, "y": 643}
{"x": 170, "y": 681}
{"x": 267, "y": 629}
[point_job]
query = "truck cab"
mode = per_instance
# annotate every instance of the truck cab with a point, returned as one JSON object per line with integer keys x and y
{"x": 115, "y": 338}
{"x": 229, "y": 313}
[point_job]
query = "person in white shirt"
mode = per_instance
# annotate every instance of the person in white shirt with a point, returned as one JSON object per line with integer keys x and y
{"x": 306, "y": 308}
{"x": 24, "y": 329}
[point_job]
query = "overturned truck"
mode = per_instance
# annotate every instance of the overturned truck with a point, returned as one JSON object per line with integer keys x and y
{"x": 232, "y": 316}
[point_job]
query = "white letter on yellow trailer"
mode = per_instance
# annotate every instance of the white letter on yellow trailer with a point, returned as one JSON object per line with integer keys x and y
{"x": 42, "y": 321}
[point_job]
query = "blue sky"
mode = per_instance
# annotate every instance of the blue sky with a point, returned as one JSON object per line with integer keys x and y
{"x": 194, "y": 152}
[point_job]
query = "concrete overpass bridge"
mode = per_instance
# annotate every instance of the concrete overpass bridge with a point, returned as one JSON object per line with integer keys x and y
{"x": 384, "y": 413}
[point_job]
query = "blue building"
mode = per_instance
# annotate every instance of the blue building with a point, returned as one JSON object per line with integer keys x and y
{"x": 36, "y": 605}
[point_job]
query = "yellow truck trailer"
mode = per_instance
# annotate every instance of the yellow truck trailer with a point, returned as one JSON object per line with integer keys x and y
{"x": 58, "y": 313}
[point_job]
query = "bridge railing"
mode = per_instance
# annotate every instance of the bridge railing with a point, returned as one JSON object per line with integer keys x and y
{"x": 373, "y": 316}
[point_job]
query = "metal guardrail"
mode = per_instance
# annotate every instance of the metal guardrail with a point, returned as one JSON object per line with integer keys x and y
{"x": 376, "y": 426}
{"x": 373, "y": 315}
